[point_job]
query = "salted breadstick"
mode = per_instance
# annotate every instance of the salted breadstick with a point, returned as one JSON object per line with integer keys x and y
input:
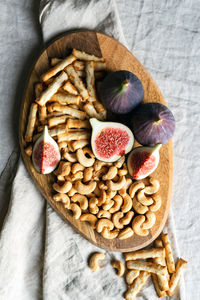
{"x": 90, "y": 110}
{"x": 31, "y": 122}
{"x": 77, "y": 82}
{"x": 42, "y": 110}
{"x": 148, "y": 253}
{"x": 84, "y": 56}
{"x": 70, "y": 88}
{"x": 54, "y": 121}
{"x": 90, "y": 79}
{"x": 98, "y": 75}
{"x": 58, "y": 130}
{"x": 131, "y": 275}
{"x": 55, "y": 60}
{"x": 68, "y": 110}
{"x": 28, "y": 150}
{"x": 80, "y": 65}
{"x": 162, "y": 280}
{"x": 59, "y": 67}
{"x": 169, "y": 255}
{"x": 52, "y": 89}
{"x": 63, "y": 98}
{"x": 74, "y": 123}
{"x": 99, "y": 66}
{"x": 159, "y": 292}
{"x": 146, "y": 266}
{"x": 79, "y": 144}
{"x": 180, "y": 267}
{"x": 136, "y": 285}
{"x": 78, "y": 135}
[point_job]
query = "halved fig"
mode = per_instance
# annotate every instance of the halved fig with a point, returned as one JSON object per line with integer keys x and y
{"x": 46, "y": 154}
{"x": 110, "y": 140}
{"x": 143, "y": 161}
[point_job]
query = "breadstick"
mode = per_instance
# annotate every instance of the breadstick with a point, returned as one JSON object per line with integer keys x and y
{"x": 59, "y": 67}
{"x": 159, "y": 292}
{"x": 79, "y": 144}
{"x": 136, "y": 285}
{"x": 169, "y": 255}
{"x": 31, "y": 122}
{"x": 68, "y": 110}
{"x": 58, "y": 130}
{"x": 79, "y": 135}
{"x": 180, "y": 267}
{"x": 54, "y": 121}
{"x": 90, "y": 79}
{"x": 80, "y": 65}
{"x": 77, "y": 82}
{"x": 98, "y": 75}
{"x": 63, "y": 98}
{"x": 146, "y": 266}
{"x": 74, "y": 123}
{"x": 68, "y": 87}
{"x": 85, "y": 56}
{"x": 148, "y": 253}
{"x": 52, "y": 89}
{"x": 90, "y": 110}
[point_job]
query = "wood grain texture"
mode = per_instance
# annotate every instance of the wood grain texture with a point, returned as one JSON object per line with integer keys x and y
{"x": 117, "y": 57}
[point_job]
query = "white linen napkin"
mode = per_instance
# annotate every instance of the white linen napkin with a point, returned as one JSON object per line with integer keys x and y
{"x": 42, "y": 257}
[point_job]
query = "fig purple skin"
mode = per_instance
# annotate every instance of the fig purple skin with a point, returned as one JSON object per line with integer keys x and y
{"x": 121, "y": 92}
{"x": 152, "y": 123}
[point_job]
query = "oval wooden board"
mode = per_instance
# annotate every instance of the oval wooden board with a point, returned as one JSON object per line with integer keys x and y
{"x": 117, "y": 57}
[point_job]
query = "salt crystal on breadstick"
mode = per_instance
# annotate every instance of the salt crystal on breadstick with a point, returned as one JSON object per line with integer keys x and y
{"x": 85, "y": 56}
{"x": 169, "y": 255}
{"x": 136, "y": 285}
{"x": 146, "y": 266}
{"x": 180, "y": 267}
{"x": 31, "y": 122}
{"x": 52, "y": 89}
{"x": 58, "y": 67}
{"x": 77, "y": 82}
{"x": 148, "y": 253}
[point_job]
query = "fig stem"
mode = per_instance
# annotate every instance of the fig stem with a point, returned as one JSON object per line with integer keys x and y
{"x": 124, "y": 86}
{"x": 157, "y": 122}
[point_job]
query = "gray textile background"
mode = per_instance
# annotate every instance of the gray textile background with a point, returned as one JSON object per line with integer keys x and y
{"x": 165, "y": 37}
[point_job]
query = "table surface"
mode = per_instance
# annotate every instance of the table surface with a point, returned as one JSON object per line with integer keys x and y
{"x": 164, "y": 36}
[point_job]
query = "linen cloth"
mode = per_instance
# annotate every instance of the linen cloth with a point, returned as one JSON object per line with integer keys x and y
{"x": 26, "y": 276}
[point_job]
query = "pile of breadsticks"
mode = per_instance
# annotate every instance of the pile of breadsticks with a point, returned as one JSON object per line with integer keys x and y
{"x": 157, "y": 262}
{"x": 103, "y": 194}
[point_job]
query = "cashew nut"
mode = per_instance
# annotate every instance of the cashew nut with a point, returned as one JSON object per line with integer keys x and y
{"x": 143, "y": 199}
{"x": 70, "y": 156}
{"x": 60, "y": 178}
{"x": 62, "y": 188}
{"x": 138, "y": 207}
{"x": 63, "y": 169}
{"x": 76, "y": 176}
{"x": 117, "y": 264}
{"x": 102, "y": 185}
{"x": 117, "y": 204}
{"x": 107, "y": 206}
{"x": 123, "y": 171}
{"x": 125, "y": 233}
{"x": 81, "y": 199}
{"x": 153, "y": 188}
{"x": 87, "y": 174}
{"x": 127, "y": 205}
{"x": 112, "y": 172}
{"x": 115, "y": 186}
{"x": 98, "y": 174}
{"x": 107, "y": 234}
{"x": 110, "y": 194}
{"x": 102, "y": 198}
{"x": 157, "y": 203}
{"x": 95, "y": 260}
{"x": 72, "y": 192}
{"x": 85, "y": 189}
{"x": 150, "y": 220}
{"x": 104, "y": 223}
{"x": 97, "y": 191}
{"x": 137, "y": 226}
{"x": 116, "y": 219}
{"x": 99, "y": 164}
{"x": 131, "y": 275}
{"x": 122, "y": 192}
{"x": 135, "y": 187}
{"x": 93, "y": 202}
{"x": 62, "y": 198}
{"x": 127, "y": 218}
{"x": 104, "y": 214}
{"x": 119, "y": 162}
{"x": 76, "y": 210}
{"x": 76, "y": 167}
{"x": 90, "y": 218}
{"x": 81, "y": 157}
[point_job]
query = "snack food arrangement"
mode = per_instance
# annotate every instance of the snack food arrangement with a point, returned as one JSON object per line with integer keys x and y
{"x": 157, "y": 262}
{"x": 67, "y": 133}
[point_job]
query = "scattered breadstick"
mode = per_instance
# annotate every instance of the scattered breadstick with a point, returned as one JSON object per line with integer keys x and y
{"x": 68, "y": 110}
{"x": 31, "y": 122}
{"x": 85, "y": 56}
{"x": 169, "y": 255}
{"x": 63, "y": 98}
{"x": 70, "y": 88}
{"x": 52, "y": 89}
{"x": 90, "y": 110}
{"x": 146, "y": 266}
{"x": 60, "y": 129}
{"x": 74, "y": 123}
{"x": 80, "y": 65}
{"x": 180, "y": 267}
{"x": 142, "y": 254}
{"x": 136, "y": 285}
{"x": 159, "y": 292}
{"x": 90, "y": 80}
{"x": 54, "y": 121}
{"x": 58, "y": 67}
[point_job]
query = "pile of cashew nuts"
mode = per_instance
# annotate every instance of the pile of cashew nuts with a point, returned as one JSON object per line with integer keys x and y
{"x": 104, "y": 195}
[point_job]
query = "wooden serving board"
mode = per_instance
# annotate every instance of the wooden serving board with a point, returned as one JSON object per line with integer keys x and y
{"x": 117, "y": 57}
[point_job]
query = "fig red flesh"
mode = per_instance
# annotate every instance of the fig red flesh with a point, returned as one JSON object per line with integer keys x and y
{"x": 142, "y": 163}
{"x": 111, "y": 141}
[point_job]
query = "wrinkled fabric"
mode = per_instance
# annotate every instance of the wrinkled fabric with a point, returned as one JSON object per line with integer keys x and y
{"x": 42, "y": 257}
